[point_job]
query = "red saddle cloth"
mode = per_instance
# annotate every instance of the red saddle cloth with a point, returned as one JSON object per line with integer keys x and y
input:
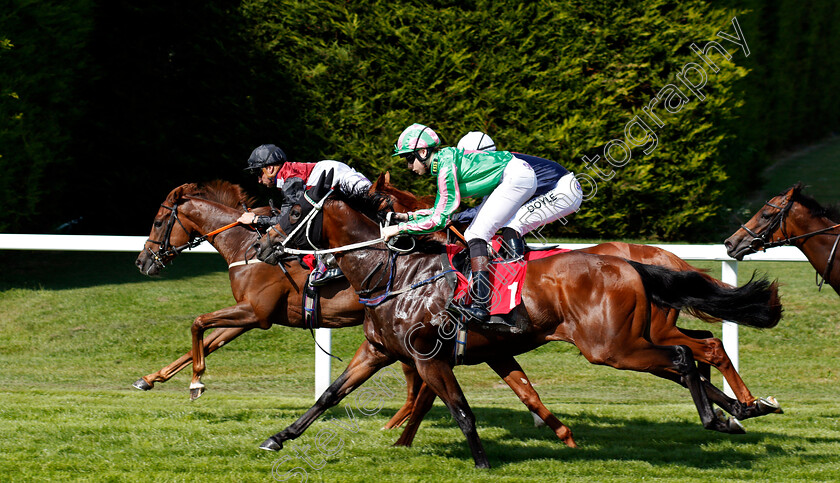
{"x": 505, "y": 277}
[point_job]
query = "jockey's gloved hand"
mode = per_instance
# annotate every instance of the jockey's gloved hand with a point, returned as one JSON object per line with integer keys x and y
{"x": 395, "y": 217}
{"x": 388, "y": 232}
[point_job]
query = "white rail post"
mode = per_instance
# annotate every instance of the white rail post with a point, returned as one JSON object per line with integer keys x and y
{"x": 323, "y": 338}
{"x": 729, "y": 274}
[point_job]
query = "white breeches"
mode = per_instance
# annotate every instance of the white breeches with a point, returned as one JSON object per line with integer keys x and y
{"x": 517, "y": 186}
{"x": 563, "y": 200}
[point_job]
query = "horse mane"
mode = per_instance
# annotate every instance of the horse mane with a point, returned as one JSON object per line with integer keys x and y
{"x": 814, "y": 207}
{"x": 219, "y": 191}
{"x": 371, "y": 205}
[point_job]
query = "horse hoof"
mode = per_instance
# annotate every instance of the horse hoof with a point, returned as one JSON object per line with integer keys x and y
{"x": 142, "y": 384}
{"x": 735, "y": 427}
{"x": 729, "y": 424}
{"x": 271, "y": 445}
{"x": 768, "y": 405}
{"x": 196, "y": 390}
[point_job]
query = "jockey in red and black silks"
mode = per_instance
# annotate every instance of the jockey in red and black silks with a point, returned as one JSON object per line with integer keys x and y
{"x": 274, "y": 170}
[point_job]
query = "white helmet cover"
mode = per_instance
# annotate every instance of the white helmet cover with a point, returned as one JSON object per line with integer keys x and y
{"x": 476, "y": 141}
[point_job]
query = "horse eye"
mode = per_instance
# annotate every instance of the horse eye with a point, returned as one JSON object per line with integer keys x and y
{"x": 158, "y": 223}
{"x": 765, "y": 216}
{"x": 294, "y": 215}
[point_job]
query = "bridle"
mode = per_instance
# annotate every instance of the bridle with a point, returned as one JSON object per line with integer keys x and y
{"x": 167, "y": 249}
{"x": 303, "y": 228}
{"x": 762, "y": 241}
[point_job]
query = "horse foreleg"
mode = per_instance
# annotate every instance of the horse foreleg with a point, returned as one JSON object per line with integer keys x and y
{"x": 413, "y": 383}
{"x": 365, "y": 363}
{"x": 240, "y": 315}
{"x": 440, "y": 378}
{"x": 215, "y": 340}
{"x": 511, "y": 372}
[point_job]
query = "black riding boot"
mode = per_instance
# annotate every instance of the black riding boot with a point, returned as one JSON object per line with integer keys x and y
{"x": 324, "y": 273}
{"x": 480, "y": 289}
{"x": 513, "y": 247}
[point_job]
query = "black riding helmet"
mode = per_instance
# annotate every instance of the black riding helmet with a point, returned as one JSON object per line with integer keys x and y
{"x": 265, "y": 155}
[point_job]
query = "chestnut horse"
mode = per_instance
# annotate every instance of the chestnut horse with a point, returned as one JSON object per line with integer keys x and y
{"x": 599, "y": 303}
{"x": 793, "y": 218}
{"x": 265, "y": 294}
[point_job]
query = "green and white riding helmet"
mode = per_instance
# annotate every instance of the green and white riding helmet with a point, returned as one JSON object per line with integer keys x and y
{"x": 414, "y": 138}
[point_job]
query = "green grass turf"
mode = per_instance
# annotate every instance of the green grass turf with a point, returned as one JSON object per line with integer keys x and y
{"x": 76, "y": 329}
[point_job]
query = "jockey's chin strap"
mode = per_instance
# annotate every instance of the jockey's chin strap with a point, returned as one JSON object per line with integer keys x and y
{"x": 761, "y": 241}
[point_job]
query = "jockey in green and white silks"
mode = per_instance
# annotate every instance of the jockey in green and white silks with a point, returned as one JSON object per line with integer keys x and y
{"x": 558, "y": 195}
{"x": 506, "y": 181}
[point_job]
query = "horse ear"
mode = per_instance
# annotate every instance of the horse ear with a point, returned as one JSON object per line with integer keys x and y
{"x": 328, "y": 180}
{"x": 317, "y": 189}
{"x": 387, "y": 178}
{"x": 380, "y": 182}
{"x": 178, "y": 193}
{"x": 323, "y": 185}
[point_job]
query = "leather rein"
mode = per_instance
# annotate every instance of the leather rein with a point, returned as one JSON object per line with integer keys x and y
{"x": 168, "y": 250}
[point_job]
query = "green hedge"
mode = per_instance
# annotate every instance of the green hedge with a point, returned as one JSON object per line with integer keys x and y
{"x": 130, "y": 99}
{"x": 43, "y": 64}
{"x": 553, "y": 79}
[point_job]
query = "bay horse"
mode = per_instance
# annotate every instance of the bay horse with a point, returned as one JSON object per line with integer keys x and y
{"x": 793, "y": 218}
{"x": 599, "y": 303}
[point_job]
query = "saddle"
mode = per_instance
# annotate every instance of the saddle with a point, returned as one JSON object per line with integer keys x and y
{"x": 506, "y": 277}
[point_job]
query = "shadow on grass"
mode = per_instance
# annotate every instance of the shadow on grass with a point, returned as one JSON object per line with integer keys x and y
{"x": 510, "y": 437}
{"x": 66, "y": 270}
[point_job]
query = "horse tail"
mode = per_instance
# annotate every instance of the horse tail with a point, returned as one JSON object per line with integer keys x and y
{"x": 681, "y": 265}
{"x": 755, "y": 304}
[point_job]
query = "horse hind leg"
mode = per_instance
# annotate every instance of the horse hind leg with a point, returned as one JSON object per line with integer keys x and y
{"x": 684, "y": 363}
{"x": 706, "y": 349}
{"x": 740, "y": 410}
{"x": 414, "y": 384}
{"x": 422, "y": 405}
{"x": 675, "y": 363}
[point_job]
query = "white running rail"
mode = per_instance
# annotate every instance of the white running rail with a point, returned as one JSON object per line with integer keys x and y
{"x": 102, "y": 243}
